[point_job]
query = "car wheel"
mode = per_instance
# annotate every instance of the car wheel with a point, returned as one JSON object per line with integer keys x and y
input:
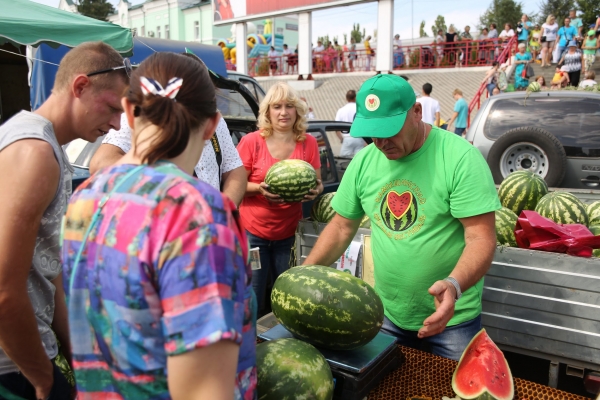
{"x": 528, "y": 149}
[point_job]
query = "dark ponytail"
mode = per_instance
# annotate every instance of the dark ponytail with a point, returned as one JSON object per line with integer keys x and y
{"x": 192, "y": 106}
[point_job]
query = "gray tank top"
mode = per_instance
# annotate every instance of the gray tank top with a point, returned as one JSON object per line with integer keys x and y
{"x": 46, "y": 263}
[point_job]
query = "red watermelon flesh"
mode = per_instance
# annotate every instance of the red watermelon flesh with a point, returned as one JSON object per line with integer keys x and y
{"x": 482, "y": 371}
{"x": 399, "y": 204}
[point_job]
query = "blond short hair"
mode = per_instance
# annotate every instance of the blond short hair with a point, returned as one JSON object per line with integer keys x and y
{"x": 457, "y": 91}
{"x": 550, "y": 18}
{"x": 277, "y": 93}
{"x": 87, "y": 58}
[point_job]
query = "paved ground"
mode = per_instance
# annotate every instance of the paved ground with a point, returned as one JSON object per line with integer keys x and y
{"x": 327, "y": 98}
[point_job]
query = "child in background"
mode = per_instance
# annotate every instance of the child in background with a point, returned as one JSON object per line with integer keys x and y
{"x": 560, "y": 78}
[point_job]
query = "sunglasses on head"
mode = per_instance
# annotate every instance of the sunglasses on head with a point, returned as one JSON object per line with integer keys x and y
{"x": 126, "y": 65}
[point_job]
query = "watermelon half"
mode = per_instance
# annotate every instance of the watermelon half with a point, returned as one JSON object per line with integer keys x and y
{"x": 483, "y": 372}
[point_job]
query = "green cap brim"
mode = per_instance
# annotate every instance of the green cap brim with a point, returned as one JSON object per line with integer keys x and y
{"x": 380, "y": 128}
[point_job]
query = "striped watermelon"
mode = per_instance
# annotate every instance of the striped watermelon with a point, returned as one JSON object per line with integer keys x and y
{"x": 321, "y": 210}
{"x": 593, "y": 211}
{"x": 505, "y": 227}
{"x": 562, "y": 208}
{"x": 327, "y": 307}
{"x": 292, "y": 369}
{"x": 291, "y": 179}
{"x": 521, "y": 190}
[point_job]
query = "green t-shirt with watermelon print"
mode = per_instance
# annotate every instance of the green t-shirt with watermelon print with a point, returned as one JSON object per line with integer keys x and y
{"x": 414, "y": 204}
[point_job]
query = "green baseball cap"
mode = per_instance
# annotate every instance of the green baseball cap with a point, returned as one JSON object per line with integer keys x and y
{"x": 382, "y": 104}
{"x": 591, "y": 32}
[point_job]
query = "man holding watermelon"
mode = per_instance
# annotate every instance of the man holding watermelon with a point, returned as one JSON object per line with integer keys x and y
{"x": 431, "y": 200}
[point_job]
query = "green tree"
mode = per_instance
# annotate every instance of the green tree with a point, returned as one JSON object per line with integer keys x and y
{"x": 324, "y": 40}
{"x": 588, "y": 10}
{"x": 440, "y": 23}
{"x": 501, "y": 12}
{"x": 356, "y": 34}
{"x": 345, "y": 38}
{"x": 559, "y": 8}
{"x": 422, "y": 32}
{"x": 97, "y": 9}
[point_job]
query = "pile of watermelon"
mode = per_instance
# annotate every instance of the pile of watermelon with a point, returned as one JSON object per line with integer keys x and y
{"x": 524, "y": 190}
{"x": 323, "y": 212}
{"x": 321, "y": 307}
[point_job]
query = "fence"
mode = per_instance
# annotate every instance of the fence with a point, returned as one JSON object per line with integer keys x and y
{"x": 505, "y": 55}
{"x": 444, "y": 55}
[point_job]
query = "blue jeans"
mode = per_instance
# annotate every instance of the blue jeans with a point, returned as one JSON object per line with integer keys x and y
{"x": 450, "y": 343}
{"x": 490, "y": 89}
{"x": 275, "y": 258}
{"x": 459, "y": 131}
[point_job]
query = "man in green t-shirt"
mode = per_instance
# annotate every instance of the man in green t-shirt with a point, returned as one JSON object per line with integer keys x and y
{"x": 431, "y": 200}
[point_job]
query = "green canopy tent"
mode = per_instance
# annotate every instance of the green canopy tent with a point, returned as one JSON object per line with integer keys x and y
{"x": 23, "y": 22}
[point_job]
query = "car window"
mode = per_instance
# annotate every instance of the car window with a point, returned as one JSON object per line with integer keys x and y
{"x": 327, "y": 175}
{"x": 79, "y": 152}
{"x": 231, "y": 104}
{"x": 574, "y": 121}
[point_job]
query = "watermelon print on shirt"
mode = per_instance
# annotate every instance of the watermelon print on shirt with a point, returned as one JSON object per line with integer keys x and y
{"x": 415, "y": 204}
{"x": 164, "y": 272}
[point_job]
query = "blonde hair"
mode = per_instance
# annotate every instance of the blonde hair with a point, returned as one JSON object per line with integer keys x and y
{"x": 277, "y": 93}
{"x": 457, "y": 91}
{"x": 550, "y": 18}
{"x": 521, "y": 46}
{"x": 590, "y": 75}
{"x": 87, "y": 58}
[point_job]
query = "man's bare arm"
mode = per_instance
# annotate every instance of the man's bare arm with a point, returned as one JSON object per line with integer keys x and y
{"x": 235, "y": 183}
{"x": 106, "y": 155}
{"x": 333, "y": 241}
{"x": 473, "y": 264}
{"x": 33, "y": 185}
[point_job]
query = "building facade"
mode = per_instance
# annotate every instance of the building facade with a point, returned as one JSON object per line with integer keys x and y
{"x": 189, "y": 20}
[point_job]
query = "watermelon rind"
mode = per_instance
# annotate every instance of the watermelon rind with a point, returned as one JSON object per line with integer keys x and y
{"x": 563, "y": 208}
{"x": 292, "y": 369}
{"x": 321, "y": 210}
{"x": 522, "y": 190}
{"x": 595, "y": 229}
{"x": 482, "y": 371}
{"x": 291, "y": 179}
{"x": 326, "y": 307}
{"x": 505, "y": 227}
{"x": 593, "y": 211}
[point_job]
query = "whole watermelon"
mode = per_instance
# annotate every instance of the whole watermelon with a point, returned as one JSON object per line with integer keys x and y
{"x": 291, "y": 179}
{"x": 505, "y": 227}
{"x": 326, "y": 307}
{"x": 292, "y": 369}
{"x": 482, "y": 372}
{"x": 593, "y": 211}
{"x": 562, "y": 208}
{"x": 321, "y": 210}
{"x": 521, "y": 190}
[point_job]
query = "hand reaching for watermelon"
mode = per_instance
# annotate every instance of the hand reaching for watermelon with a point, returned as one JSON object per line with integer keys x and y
{"x": 444, "y": 294}
{"x": 314, "y": 192}
{"x": 272, "y": 197}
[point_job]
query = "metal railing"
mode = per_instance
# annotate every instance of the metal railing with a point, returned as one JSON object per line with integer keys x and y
{"x": 509, "y": 48}
{"x": 445, "y": 55}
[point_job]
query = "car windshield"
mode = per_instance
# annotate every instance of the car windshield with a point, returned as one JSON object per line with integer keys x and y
{"x": 232, "y": 104}
{"x": 573, "y": 120}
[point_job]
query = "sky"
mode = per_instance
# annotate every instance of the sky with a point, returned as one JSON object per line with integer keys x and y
{"x": 337, "y": 21}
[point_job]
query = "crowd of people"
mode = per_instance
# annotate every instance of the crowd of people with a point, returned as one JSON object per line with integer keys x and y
{"x": 139, "y": 281}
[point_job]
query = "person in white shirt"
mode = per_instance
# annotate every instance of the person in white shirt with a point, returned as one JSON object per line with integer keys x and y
{"x": 589, "y": 80}
{"x": 430, "y": 106}
{"x": 439, "y": 40}
{"x": 229, "y": 175}
{"x": 507, "y": 33}
{"x": 549, "y": 34}
{"x": 286, "y": 58}
{"x": 350, "y": 145}
{"x": 398, "y": 53}
{"x": 273, "y": 56}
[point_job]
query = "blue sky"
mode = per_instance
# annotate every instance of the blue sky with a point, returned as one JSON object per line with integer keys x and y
{"x": 337, "y": 21}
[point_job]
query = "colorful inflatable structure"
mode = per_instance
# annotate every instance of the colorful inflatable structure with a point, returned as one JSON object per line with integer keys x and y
{"x": 258, "y": 45}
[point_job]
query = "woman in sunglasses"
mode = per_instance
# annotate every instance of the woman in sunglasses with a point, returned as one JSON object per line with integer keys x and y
{"x": 158, "y": 285}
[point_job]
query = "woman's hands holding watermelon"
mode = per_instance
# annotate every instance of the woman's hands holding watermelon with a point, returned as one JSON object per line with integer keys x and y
{"x": 264, "y": 190}
{"x": 444, "y": 295}
{"x": 314, "y": 192}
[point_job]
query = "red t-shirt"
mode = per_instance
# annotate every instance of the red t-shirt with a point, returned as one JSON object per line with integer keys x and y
{"x": 271, "y": 221}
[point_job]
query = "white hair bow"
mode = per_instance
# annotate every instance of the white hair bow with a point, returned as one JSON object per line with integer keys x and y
{"x": 149, "y": 85}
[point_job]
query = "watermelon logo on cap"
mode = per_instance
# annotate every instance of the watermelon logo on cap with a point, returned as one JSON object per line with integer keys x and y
{"x": 372, "y": 102}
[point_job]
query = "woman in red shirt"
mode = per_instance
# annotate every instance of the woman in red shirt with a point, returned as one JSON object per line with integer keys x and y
{"x": 271, "y": 223}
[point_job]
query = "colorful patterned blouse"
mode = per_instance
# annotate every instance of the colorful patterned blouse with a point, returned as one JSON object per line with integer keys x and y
{"x": 164, "y": 271}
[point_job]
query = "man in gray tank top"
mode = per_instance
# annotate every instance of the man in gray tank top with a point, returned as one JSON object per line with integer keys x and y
{"x": 35, "y": 185}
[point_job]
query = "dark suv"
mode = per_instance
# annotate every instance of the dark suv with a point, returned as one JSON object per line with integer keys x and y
{"x": 555, "y": 134}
